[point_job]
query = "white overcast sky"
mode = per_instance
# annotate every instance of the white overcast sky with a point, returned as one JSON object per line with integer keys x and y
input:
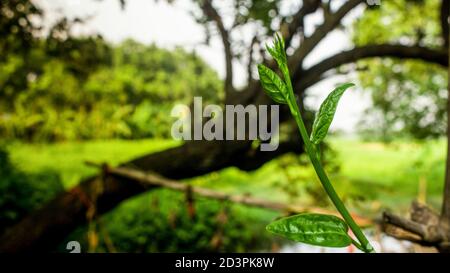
{"x": 168, "y": 26}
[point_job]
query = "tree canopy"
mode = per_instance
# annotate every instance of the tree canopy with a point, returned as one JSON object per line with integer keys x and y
{"x": 408, "y": 96}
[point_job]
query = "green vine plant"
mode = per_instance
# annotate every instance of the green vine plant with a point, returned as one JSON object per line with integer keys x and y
{"x": 314, "y": 229}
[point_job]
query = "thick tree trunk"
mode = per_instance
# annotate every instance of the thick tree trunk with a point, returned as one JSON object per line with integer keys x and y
{"x": 445, "y": 217}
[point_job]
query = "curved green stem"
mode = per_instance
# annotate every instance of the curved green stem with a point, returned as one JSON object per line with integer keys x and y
{"x": 309, "y": 147}
{"x": 358, "y": 245}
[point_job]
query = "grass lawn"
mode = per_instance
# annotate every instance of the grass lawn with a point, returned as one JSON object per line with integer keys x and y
{"x": 371, "y": 175}
{"x": 68, "y": 158}
{"x": 395, "y": 173}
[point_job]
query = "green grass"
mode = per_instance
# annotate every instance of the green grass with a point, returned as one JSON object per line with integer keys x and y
{"x": 372, "y": 176}
{"x": 392, "y": 171}
{"x": 68, "y": 158}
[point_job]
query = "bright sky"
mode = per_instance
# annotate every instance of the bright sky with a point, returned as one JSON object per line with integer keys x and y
{"x": 168, "y": 26}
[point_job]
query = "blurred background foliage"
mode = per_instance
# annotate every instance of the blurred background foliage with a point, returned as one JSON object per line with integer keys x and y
{"x": 66, "y": 99}
{"x": 59, "y": 87}
{"x": 409, "y": 97}
{"x": 125, "y": 91}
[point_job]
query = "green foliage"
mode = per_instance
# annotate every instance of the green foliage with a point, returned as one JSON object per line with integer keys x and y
{"x": 22, "y": 192}
{"x": 59, "y": 87}
{"x": 326, "y": 113}
{"x": 408, "y": 96}
{"x": 313, "y": 229}
{"x": 63, "y": 98}
{"x": 412, "y": 21}
{"x": 260, "y": 11}
{"x": 160, "y": 222}
{"x": 16, "y": 26}
{"x": 409, "y": 100}
{"x": 211, "y": 230}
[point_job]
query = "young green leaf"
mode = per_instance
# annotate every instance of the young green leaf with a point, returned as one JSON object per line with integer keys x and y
{"x": 326, "y": 114}
{"x": 277, "y": 50}
{"x": 273, "y": 85}
{"x": 313, "y": 229}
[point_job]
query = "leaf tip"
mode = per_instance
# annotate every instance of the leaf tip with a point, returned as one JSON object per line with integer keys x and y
{"x": 347, "y": 85}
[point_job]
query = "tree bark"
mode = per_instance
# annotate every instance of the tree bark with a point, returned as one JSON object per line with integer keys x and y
{"x": 446, "y": 202}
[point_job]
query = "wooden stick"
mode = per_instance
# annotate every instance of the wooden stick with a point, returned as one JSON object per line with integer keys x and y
{"x": 150, "y": 179}
{"x": 404, "y": 223}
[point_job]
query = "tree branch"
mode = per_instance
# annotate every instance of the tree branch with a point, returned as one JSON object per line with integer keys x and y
{"x": 430, "y": 231}
{"x": 212, "y": 14}
{"x": 405, "y": 224}
{"x": 331, "y": 21}
{"x": 308, "y": 7}
{"x": 150, "y": 180}
{"x": 313, "y": 74}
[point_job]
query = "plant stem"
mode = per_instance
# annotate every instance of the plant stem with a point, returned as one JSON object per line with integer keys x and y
{"x": 329, "y": 187}
{"x": 367, "y": 247}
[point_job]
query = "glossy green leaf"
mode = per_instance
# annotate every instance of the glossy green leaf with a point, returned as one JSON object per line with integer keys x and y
{"x": 313, "y": 229}
{"x": 273, "y": 85}
{"x": 326, "y": 114}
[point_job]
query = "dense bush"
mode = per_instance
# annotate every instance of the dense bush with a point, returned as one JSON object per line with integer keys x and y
{"x": 160, "y": 222}
{"x": 21, "y": 193}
